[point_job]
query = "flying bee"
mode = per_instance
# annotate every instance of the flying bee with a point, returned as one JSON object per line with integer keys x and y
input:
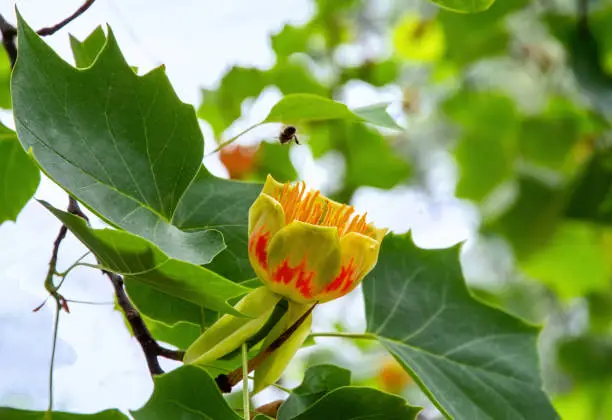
{"x": 288, "y": 134}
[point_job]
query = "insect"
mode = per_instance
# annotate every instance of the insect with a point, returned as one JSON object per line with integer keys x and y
{"x": 288, "y": 134}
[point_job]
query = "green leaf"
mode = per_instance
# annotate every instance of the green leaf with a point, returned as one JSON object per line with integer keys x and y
{"x": 19, "y": 176}
{"x": 5, "y": 80}
{"x": 577, "y": 250}
{"x": 548, "y": 141}
{"x": 378, "y": 115}
{"x": 294, "y": 77}
{"x": 15, "y": 414}
{"x": 185, "y": 393}
{"x": 318, "y": 381}
{"x": 139, "y": 260}
{"x": 180, "y": 335}
{"x": 274, "y": 159}
{"x": 464, "y": 6}
{"x": 385, "y": 171}
{"x": 586, "y": 358}
{"x": 354, "y": 403}
{"x": 475, "y": 362}
{"x": 591, "y": 198}
{"x": 85, "y": 52}
{"x": 301, "y": 108}
{"x": 123, "y": 145}
{"x": 221, "y": 107}
{"x": 289, "y": 40}
{"x": 488, "y": 144}
{"x": 473, "y": 37}
{"x": 213, "y": 203}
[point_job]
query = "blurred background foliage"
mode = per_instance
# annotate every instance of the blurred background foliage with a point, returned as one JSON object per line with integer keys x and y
{"x": 520, "y": 97}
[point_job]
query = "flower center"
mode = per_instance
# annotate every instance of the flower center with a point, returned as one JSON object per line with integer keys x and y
{"x": 311, "y": 207}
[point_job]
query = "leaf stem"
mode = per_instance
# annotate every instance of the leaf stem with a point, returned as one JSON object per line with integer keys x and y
{"x": 245, "y": 382}
{"x": 233, "y": 139}
{"x": 58, "y": 308}
{"x": 364, "y": 336}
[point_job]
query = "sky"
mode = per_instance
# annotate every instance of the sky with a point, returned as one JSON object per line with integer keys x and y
{"x": 98, "y": 364}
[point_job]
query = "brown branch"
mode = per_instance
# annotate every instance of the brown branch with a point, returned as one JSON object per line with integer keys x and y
{"x": 53, "y": 29}
{"x": 226, "y": 382}
{"x": 9, "y": 32}
{"x": 270, "y": 409}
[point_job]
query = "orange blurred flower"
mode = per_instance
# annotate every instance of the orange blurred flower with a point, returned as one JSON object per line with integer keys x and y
{"x": 239, "y": 160}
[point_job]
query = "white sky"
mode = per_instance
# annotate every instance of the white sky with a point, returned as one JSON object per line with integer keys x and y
{"x": 98, "y": 364}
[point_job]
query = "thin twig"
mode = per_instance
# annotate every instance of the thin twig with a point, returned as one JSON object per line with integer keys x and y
{"x": 58, "y": 310}
{"x": 226, "y": 382}
{"x": 9, "y": 32}
{"x": 53, "y": 29}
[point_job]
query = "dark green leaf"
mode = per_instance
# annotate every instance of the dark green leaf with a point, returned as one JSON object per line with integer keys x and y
{"x": 85, "y": 52}
{"x": 475, "y": 362}
{"x": 139, "y": 260}
{"x": 586, "y": 357}
{"x": 318, "y": 381}
{"x": 185, "y": 393}
{"x": 355, "y": 403}
{"x": 591, "y": 198}
{"x": 15, "y": 414}
{"x": 19, "y": 176}
{"x": 124, "y": 145}
{"x": 213, "y": 203}
{"x": 465, "y": 6}
{"x": 488, "y": 144}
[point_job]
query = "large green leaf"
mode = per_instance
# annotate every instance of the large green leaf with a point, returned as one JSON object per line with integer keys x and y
{"x": 488, "y": 144}
{"x": 139, "y": 260}
{"x": 124, "y": 145}
{"x": 86, "y": 51}
{"x": 475, "y": 362}
{"x": 318, "y": 381}
{"x": 465, "y": 6}
{"x": 355, "y": 403}
{"x": 187, "y": 393}
{"x": 5, "y": 80}
{"x": 19, "y": 176}
{"x": 15, "y": 414}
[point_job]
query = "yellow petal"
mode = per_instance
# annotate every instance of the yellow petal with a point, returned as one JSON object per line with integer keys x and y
{"x": 359, "y": 256}
{"x": 419, "y": 40}
{"x": 271, "y": 186}
{"x": 302, "y": 260}
{"x": 266, "y": 217}
{"x": 272, "y": 368}
{"x": 229, "y": 332}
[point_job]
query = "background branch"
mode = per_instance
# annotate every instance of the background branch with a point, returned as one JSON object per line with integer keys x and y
{"x": 53, "y": 29}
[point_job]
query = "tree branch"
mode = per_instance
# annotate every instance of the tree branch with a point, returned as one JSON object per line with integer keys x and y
{"x": 53, "y": 29}
{"x": 226, "y": 382}
{"x": 9, "y": 32}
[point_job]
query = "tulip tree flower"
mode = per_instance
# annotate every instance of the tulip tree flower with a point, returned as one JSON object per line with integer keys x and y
{"x": 306, "y": 249}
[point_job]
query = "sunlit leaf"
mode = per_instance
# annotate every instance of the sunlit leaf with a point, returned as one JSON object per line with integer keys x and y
{"x": 465, "y": 6}
{"x": 418, "y": 39}
{"x": 5, "y": 80}
{"x": 86, "y": 51}
{"x": 124, "y": 145}
{"x": 139, "y": 260}
{"x": 378, "y": 115}
{"x": 19, "y": 176}
{"x": 187, "y": 393}
{"x": 475, "y": 362}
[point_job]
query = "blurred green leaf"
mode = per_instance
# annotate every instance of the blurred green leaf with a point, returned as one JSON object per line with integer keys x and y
{"x": 587, "y": 357}
{"x": 139, "y": 260}
{"x": 376, "y": 73}
{"x": 318, "y": 381}
{"x": 187, "y": 393}
{"x": 370, "y": 159}
{"x": 85, "y": 52}
{"x": 5, "y": 80}
{"x": 531, "y": 221}
{"x": 221, "y": 107}
{"x": 16, "y": 414}
{"x": 273, "y": 159}
{"x": 378, "y": 115}
{"x": 464, "y": 6}
{"x": 575, "y": 261}
{"x": 294, "y": 77}
{"x": 488, "y": 147}
{"x": 480, "y": 35}
{"x": 475, "y": 362}
{"x": 19, "y": 176}
{"x": 548, "y": 141}
{"x": 123, "y": 145}
{"x": 289, "y": 40}
{"x": 591, "y": 197}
